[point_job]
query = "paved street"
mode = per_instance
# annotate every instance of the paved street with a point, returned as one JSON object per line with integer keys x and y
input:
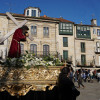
{"x": 90, "y": 92}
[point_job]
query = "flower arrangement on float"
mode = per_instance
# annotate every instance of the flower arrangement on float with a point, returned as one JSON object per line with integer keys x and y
{"x": 30, "y": 60}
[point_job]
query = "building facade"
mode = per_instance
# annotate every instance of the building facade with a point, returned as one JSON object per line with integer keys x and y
{"x": 78, "y": 43}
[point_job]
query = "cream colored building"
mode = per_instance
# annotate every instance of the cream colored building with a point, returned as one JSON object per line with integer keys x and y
{"x": 3, "y": 31}
{"x": 87, "y": 44}
{"x": 78, "y": 43}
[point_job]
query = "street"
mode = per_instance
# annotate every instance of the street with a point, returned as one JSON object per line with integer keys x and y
{"x": 90, "y": 92}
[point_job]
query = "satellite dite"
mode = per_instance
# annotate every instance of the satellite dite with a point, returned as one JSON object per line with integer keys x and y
{"x": 13, "y": 30}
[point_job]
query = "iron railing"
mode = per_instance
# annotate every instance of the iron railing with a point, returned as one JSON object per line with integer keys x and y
{"x": 40, "y": 53}
{"x": 85, "y": 63}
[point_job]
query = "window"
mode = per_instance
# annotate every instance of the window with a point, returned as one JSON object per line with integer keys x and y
{"x": 22, "y": 48}
{"x": 46, "y": 32}
{"x": 1, "y": 54}
{"x": 66, "y": 29}
{"x": 83, "y": 31}
{"x": 45, "y": 50}
{"x": 82, "y": 47}
{"x": 94, "y": 31}
{"x": 34, "y": 30}
{"x": 65, "y": 54}
{"x": 98, "y": 32}
{"x": 83, "y": 60}
{"x": 33, "y": 49}
{"x": 27, "y": 12}
{"x": 38, "y": 14}
{"x": 97, "y": 46}
{"x": 0, "y": 32}
{"x": 34, "y": 13}
{"x": 65, "y": 41}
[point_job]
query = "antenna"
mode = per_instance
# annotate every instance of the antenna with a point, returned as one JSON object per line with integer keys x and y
{"x": 9, "y": 6}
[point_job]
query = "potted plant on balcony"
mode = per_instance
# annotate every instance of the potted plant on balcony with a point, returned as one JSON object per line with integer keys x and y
{"x": 78, "y": 64}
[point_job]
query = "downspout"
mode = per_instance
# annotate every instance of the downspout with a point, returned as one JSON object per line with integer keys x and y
{"x": 74, "y": 46}
{"x": 55, "y": 39}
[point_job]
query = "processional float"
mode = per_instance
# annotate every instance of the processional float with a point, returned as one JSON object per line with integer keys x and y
{"x": 18, "y": 82}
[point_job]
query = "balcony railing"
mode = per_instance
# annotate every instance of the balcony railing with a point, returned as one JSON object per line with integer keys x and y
{"x": 69, "y": 59}
{"x": 85, "y": 63}
{"x": 97, "y": 50}
{"x": 41, "y": 53}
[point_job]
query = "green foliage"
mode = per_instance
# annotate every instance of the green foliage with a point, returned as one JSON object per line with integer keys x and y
{"x": 48, "y": 58}
{"x": 29, "y": 60}
{"x": 13, "y": 62}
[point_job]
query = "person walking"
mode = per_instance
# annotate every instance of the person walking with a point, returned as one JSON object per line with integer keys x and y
{"x": 98, "y": 76}
{"x": 80, "y": 79}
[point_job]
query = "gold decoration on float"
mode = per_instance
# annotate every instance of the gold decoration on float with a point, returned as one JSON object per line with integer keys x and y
{"x": 19, "y": 81}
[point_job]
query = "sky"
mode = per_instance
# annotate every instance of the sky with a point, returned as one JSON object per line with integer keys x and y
{"x": 73, "y": 10}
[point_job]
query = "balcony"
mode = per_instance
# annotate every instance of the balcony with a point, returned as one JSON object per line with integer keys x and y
{"x": 98, "y": 37}
{"x": 89, "y": 63}
{"x": 40, "y": 53}
{"x": 97, "y": 50}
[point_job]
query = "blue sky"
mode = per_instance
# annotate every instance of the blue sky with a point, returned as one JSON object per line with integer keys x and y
{"x": 73, "y": 10}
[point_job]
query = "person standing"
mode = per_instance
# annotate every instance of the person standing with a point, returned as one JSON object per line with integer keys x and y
{"x": 66, "y": 87}
{"x": 80, "y": 79}
{"x": 19, "y": 35}
{"x": 98, "y": 76}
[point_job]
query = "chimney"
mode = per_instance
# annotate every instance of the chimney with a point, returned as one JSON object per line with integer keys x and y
{"x": 94, "y": 22}
{"x": 61, "y": 17}
{"x": 44, "y": 16}
{"x": 81, "y": 23}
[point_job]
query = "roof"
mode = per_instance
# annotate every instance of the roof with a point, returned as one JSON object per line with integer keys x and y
{"x": 34, "y": 7}
{"x": 41, "y": 17}
{"x": 86, "y": 25}
{"x": 64, "y": 20}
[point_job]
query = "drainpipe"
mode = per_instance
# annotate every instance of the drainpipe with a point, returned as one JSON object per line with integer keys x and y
{"x": 55, "y": 39}
{"x": 74, "y": 45}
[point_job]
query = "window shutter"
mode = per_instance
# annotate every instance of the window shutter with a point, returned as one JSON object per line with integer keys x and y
{"x": 65, "y": 54}
{"x": 65, "y": 41}
{"x": 83, "y": 59}
{"x": 45, "y": 50}
{"x": 82, "y": 47}
{"x": 33, "y": 49}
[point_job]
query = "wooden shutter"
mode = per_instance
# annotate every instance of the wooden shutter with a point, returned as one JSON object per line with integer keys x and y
{"x": 83, "y": 59}
{"x": 65, "y": 54}
{"x": 45, "y": 49}
{"x": 33, "y": 49}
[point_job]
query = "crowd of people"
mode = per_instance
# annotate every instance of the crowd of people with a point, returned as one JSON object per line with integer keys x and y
{"x": 86, "y": 75}
{"x": 68, "y": 77}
